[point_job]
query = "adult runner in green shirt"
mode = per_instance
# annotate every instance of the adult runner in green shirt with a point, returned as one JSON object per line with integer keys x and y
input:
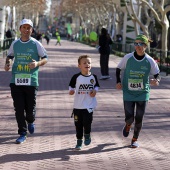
{"x": 25, "y": 55}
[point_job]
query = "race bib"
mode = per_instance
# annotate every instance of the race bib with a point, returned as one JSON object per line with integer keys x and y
{"x": 135, "y": 84}
{"x": 23, "y": 79}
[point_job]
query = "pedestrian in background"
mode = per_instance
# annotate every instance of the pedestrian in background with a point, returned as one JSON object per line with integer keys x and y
{"x": 104, "y": 43}
{"x": 28, "y": 54}
{"x": 47, "y": 36}
{"x": 58, "y": 37}
{"x": 85, "y": 86}
{"x": 137, "y": 67}
{"x": 8, "y": 33}
{"x": 39, "y": 36}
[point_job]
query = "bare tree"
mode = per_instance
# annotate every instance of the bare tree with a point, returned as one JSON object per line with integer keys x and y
{"x": 160, "y": 10}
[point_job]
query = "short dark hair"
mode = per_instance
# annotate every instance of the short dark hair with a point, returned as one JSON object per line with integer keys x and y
{"x": 104, "y": 31}
{"x": 81, "y": 57}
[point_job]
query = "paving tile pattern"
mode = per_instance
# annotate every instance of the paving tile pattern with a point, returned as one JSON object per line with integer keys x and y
{"x": 52, "y": 145}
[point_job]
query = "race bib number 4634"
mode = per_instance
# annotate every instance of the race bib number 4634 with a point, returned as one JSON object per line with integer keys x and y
{"x": 23, "y": 79}
{"x": 135, "y": 84}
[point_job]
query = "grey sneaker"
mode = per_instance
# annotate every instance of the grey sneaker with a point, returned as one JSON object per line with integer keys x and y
{"x": 103, "y": 78}
{"x": 108, "y": 77}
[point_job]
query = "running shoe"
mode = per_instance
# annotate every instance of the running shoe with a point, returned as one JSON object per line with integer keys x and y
{"x": 87, "y": 139}
{"x": 134, "y": 143}
{"x": 126, "y": 130}
{"x": 79, "y": 144}
{"x": 31, "y": 128}
{"x": 21, "y": 139}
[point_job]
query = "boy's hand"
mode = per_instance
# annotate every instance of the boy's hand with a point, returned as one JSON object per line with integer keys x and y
{"x": 71, "y": 92}
{"x": 93, "y": 93}
{"x": 118, "y": 86}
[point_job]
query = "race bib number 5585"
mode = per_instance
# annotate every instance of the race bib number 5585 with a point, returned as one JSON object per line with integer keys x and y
{"x": 22, "y": 79}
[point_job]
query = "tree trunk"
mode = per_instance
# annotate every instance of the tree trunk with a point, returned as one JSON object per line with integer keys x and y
{"x": 165, "y": 28}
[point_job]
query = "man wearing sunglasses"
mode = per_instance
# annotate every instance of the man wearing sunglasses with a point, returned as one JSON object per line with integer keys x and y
{"x": 135, "y": 84}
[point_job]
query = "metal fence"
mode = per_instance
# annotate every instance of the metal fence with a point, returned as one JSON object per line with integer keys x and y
{"x": 4, "y": 45}
{"x": 161, "y": 57}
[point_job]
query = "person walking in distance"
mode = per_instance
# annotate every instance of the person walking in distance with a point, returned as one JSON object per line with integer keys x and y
{"x": 104, "y": 50}
{"x": 47, "y": 36}
{"x": 25, "y": 55}
{"x": 137, "y": 67}
{"x": 58, "y": 38}
{"x": 85, "y": 86}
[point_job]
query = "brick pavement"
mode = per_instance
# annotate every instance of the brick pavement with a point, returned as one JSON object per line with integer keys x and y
{"x": 51, "y": 147}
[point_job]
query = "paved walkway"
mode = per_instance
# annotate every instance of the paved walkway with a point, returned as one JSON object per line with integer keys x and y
{"x": 51, "y": 147}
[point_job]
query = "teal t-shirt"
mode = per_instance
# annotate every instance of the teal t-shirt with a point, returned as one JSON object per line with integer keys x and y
{"x": 135, "y": 82}
{"x": 24, "y": 53}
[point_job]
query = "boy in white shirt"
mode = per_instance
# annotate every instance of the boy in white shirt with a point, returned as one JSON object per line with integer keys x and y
{"x": 85, "y": 86}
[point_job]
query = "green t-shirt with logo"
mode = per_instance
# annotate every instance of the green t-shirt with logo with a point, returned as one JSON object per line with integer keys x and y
{"x": 135, "y": 82}
{"x": 24, "y": 53}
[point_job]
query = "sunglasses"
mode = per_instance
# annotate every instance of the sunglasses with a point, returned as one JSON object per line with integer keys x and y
{"x": 139, "y": 44}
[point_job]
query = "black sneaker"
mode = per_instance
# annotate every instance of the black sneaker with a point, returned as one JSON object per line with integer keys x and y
{"x": 126, "y": 130}
{"x": 31, "y": 128}
{"x": 134, "y": 143}
{"x": 79, "y": 144}
{"x": 21, "y": 139}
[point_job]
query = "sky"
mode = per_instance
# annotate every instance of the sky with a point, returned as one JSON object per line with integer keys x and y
{"x": 48, "y": 4}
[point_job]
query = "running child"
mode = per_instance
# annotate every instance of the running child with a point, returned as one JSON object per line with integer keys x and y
{"x": 85, "y": 86}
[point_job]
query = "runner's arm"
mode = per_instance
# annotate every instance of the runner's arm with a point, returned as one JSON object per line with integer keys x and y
{"x": 8, "y": 63}
{"x": 42, "y": 62}
{"x": 118, "y": 79}
{"x": 157, "y": 77}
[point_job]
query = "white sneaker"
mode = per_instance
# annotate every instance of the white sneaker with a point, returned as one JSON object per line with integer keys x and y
{"x": 108, "y": 77}
{"x": 103, "y": 77}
